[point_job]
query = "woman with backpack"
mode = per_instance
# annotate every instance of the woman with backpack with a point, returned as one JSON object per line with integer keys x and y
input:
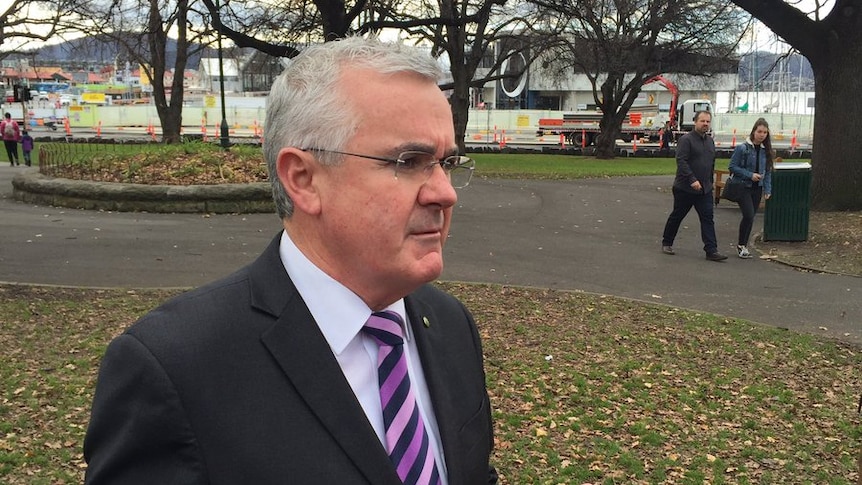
{"x": 11, "y": 134}
{"x": 753, "y": 162}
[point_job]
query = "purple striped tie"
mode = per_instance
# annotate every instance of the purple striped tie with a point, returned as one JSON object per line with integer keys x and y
{"x": 406, "y": 439}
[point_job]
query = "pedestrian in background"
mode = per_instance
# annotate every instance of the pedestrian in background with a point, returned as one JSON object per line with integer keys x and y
{"x": 752, "y": 161}
{"x": 666, "y": 136}
{"x": 11, "y": 133}
{"x": 26, "y": 146}
{"x": 692, "y": 186}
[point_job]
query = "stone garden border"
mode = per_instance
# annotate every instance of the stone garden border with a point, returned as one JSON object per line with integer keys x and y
{"x": 30, "y": 186}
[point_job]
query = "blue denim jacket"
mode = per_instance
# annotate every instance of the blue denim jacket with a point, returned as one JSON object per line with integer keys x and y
{"x": 742, "y": 164}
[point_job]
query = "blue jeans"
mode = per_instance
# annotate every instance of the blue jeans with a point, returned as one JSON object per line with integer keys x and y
{"x": 682, "y": 204}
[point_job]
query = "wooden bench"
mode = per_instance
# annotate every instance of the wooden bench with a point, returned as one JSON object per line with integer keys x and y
{"x": 718, "y": 184}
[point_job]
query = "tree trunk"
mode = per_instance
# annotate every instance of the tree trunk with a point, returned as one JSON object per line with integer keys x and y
{"x": 460, "y": 101}
{"x": 171, "y": 126}
{"x": 606, "y": 141}
{"x": 837, "y": 159}
{"x": 833, "y": 46}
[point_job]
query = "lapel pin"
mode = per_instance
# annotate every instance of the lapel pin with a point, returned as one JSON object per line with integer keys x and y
{"x": 426, "y": 322}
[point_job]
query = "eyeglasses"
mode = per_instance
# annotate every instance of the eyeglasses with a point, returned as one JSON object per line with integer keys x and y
{"x": 418, "y": 166}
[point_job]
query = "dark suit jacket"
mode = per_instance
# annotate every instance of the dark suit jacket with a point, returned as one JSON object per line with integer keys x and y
{"x": 233, "y": 383}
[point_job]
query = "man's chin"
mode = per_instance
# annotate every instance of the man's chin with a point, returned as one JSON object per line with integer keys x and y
{"x": 430, "y": 267}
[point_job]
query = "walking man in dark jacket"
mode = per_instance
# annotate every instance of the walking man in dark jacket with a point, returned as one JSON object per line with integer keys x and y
{"x": 692, "y": 186}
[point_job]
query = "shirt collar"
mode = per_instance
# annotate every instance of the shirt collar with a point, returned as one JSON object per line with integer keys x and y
{"x": 339, "y": 313}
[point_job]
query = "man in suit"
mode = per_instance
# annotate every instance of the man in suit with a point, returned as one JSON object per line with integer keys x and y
{"x": 274, "y": 374}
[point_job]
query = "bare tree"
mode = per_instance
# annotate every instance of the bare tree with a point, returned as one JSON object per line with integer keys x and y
{"x": 470, "y": 35}
{"x": 26, "y": 21}
{"x": 146, "y": 44}
{"x": 620, "y": 44}
{"x": 464, "y": 30}
{"x": 280, "y": 27}
{"x": 832, "y": 42}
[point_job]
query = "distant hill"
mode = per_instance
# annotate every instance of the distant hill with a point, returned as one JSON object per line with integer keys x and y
{"x": 758, "y": 71}
{"x": 87, "y": 52}
{"x": 767, "y": 71}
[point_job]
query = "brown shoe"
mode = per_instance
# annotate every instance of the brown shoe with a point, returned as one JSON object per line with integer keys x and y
{"x": 668, "y": 250}
{"x": 716, "y": 256}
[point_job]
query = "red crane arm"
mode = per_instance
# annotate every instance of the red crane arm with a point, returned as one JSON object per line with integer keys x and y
{"x": 674, "y": 92}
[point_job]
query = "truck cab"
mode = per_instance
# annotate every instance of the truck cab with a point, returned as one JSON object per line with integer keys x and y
{"x": 687, "y": 110}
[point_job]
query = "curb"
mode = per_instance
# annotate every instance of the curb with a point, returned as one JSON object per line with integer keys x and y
{"x": 36, "y": 188}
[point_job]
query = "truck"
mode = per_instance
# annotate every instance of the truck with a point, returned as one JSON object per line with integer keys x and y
{"x": 580, "y": 128}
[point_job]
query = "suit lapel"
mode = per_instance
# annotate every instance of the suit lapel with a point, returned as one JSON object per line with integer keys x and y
{"x": 435, "y": 354}
{"x": 296, "y": 343}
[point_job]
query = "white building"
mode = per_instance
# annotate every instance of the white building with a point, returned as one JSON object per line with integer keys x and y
{"x": 210, "y": 79}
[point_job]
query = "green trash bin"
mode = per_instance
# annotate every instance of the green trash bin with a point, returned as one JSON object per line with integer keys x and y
{"x": 786, "y": 215}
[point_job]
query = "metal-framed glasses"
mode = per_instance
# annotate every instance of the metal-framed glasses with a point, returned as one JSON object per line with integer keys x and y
{"x": 418, "y": 166}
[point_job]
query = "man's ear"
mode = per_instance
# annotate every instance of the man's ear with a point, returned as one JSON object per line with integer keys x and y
{"x": 296, "y": 171}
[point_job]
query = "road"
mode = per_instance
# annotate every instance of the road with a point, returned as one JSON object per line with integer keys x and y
{"x": 600, "y": 236}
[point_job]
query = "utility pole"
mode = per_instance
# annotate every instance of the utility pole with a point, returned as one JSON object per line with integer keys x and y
{"x": 225, "y": 141}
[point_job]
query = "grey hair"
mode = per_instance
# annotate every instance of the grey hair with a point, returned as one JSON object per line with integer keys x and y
{"x": 307, "y": 107}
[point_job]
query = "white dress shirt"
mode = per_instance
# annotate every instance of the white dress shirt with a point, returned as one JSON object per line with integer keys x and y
{"x": 341, "y": 314}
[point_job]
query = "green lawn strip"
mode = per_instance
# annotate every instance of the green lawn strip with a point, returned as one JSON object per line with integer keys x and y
{"x": 564, "y": 167}
{"x": 189, "y": 158}
{"x": 584, "y": 389}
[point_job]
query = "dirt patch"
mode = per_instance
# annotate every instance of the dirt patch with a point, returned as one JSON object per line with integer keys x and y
{"x": 834, "y": 244}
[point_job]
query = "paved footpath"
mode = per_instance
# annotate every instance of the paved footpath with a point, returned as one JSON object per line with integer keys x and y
{"x": 600, "y": 236}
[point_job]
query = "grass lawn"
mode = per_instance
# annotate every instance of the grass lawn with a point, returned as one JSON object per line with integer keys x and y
{"x": 585, "y": 389}
{"x": 546, "y": 166}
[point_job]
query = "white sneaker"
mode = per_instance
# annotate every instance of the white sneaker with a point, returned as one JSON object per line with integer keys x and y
{"x": 743, "y": 252}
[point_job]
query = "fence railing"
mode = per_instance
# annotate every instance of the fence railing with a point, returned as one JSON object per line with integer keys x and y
{"x": 82, "y": 160}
